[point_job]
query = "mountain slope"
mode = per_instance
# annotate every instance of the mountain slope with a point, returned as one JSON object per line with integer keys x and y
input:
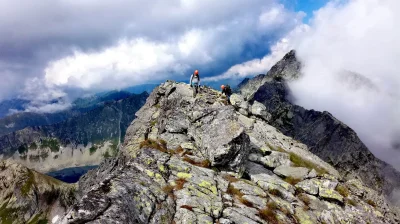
{"x": 6, "y": 106}
{"x": 325, "y": 136}
{"x": 199, "y": 160}
{"x": 21, "y": 120}
{"x": 76, "y": 141}
{"x": 27, "y": 196}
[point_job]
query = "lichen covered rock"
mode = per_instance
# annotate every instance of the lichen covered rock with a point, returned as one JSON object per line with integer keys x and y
{"x": 204, "y": 162}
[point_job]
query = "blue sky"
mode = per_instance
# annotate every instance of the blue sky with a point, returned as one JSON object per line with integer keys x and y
{"x": 307, "y": 6}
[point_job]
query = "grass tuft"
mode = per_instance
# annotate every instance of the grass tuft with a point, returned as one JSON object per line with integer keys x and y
{"x": 239, "y": 195}
{"x": 246, "y": 202}
{"x": 233, "y": 191}
{"x": 352, "y": 202}
{"x": 343, "y": 190}
{"x": 300, "y": 162}
{"x": 160, "y": 145}
{"x": 188, "y": 207}
{"x": 268, "y": 215}
{"x": 205, "y": 163}
{"x": 169, "y": 189}
{"x": 284, "y": 210}
{"x": 179, "y": 183}
{"x": 272, "y": 205}
{"x": 230, "y": 178}
{"x": 179, "y": 150}
{"x": 276, "y": 192}
{"x": 292, "y": 180}
{"x": 163, "y": 143}
{"x": 372, "y": 203}
{"x": 304, "y": 198}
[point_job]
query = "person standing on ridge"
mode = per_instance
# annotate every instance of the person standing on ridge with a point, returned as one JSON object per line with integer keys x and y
{"x": 195, "y": 82}
{"x": 226, "y": 90}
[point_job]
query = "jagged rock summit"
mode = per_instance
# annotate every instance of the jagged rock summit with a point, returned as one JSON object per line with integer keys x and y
{"x": 200, "y": 160}
{"x": 325, "y": 136}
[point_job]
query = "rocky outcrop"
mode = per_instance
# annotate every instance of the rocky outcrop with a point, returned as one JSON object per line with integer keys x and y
{"x": 289, "y": 68}
{"x": 27, "y": 196}
{"x": 199, "y": 160}
{"x": 325, "y": 136}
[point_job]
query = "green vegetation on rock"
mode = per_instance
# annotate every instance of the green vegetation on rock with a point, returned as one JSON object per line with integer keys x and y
{"x": 33, "y": 146}
{"x": 106, "y": 155}
{"x": 22, "y": 149}
{"x": 269, "y": 213}
{"x": 154, "y": 144}
{"x": 343, "y": 190}
{"x": 92, "y": 149}
{"x": 28, "y": 184}
{"x": 50, "y": 143}
{"x": 7, "y": 215}
{"x": 38, "y": 219}
{"x": 300, "y": 162}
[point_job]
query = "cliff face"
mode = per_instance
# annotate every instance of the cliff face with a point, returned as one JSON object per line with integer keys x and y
{"x": 327, "y": 137}
{"x": 199, "y": 160}
{"x": 27, "y": 196}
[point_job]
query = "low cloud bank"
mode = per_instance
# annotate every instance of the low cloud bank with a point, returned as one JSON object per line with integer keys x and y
{"x": 351, "y": 69}
{"x": 351, "y": 57}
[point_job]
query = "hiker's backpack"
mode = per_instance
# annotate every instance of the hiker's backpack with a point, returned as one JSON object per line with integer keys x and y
{"x": 228, "y": 90}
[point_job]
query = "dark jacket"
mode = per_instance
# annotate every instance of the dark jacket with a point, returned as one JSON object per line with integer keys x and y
{"x": 227, "y": 91}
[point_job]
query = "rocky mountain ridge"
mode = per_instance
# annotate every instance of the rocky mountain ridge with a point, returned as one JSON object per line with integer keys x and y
{"x": 203, "y": 160}
{"x": 326, "y": 136}
{"x": 200, "y": 160}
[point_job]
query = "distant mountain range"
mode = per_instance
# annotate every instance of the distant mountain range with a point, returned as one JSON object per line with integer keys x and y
{"x": 7, "y": 106}
{"x": 82, "y": 135}
{"x": 13, "y": 117}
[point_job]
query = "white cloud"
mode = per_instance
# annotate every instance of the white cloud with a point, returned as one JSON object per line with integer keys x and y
{"x": 112, "y": 66}
{"x": 360, "y": 36}
{"x": 137, "y": 60}
{"x": 94, "y": 45}
{"x": 43, "y": 98}
{"x": 261, "y": 66}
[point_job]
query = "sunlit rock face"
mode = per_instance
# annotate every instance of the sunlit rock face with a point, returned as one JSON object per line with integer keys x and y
{"x": 200, "y": 160}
